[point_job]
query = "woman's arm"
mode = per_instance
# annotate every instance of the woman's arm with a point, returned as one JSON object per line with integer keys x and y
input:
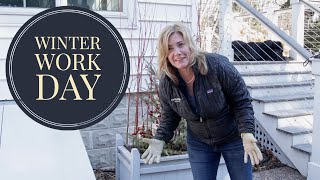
{"x": 169, "y": 120}
{"x": 237, "y": 94}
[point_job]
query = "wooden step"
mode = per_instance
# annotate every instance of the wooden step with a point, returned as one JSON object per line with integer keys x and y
{"x": 290, "y": 113}
{"x": 295, "y": 130}
{"x": 281, "y": 84}
{"x": 285, "y": 102}
{"x": 261, "y": 62}
{"x": 280, "y": 88}
{"x": 307, "y": 148}
{"x": 277, "y": 78}
{"x": 299, "y": 127}
{"x": 284, "y": 98}
{"x": 274, "y": 66}
{"x": 263, "y": 73}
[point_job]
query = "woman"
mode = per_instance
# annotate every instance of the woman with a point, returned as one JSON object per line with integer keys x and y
{"x": 210, "y": 94}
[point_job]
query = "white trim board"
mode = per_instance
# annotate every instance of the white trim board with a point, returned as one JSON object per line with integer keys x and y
{"x": 30, "y": 151}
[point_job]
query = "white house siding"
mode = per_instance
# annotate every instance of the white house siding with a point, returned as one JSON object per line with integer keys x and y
{"x": 141, "y": 22}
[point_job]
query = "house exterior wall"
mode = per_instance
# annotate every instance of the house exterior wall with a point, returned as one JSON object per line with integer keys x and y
{"x": 139, "y": 25}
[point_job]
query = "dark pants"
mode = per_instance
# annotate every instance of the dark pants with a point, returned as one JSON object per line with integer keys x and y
{"x": 204, "y": 159}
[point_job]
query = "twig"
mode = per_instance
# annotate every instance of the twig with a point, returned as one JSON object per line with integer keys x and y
{"x": 128, "y": 117}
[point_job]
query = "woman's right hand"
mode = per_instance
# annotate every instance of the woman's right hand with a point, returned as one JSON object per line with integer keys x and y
{"x": 153, "y": 153}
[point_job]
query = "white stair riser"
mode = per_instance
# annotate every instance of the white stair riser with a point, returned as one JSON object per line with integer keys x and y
{"x": 298, "y": 158}
{"x": 301, "y": 139}
{"x": 285, "y": 105}
{"x": 304, "y": 122}
{"x": 284, "y": 141}
{"x": 272, "y": 67}
{"x": 277, "y": 78}
{"x": 280, "y": 91}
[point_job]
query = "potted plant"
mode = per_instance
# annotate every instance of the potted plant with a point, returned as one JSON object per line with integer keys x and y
{"x": 174, "y": 163}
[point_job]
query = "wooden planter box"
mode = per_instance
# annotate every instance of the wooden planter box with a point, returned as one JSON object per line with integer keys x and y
{"x": 129, "y": 166}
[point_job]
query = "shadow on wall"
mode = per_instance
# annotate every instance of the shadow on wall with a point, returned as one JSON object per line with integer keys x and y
{"x": 258, "y": 51}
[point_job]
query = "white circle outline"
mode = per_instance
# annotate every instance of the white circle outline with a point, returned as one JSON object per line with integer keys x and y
{"x": 48, "y": 121}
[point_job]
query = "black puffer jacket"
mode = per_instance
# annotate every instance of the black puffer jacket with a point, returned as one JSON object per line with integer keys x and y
{"x": 223, "y": 101}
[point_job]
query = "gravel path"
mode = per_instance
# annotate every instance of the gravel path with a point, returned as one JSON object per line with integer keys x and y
{"x": 282, "y": 173}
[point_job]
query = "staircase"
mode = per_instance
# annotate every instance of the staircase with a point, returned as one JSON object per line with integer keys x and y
{"x": 282, "y": 95}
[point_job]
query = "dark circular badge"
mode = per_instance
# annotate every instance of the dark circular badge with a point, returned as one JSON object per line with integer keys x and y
{"x": 67, "y": 68}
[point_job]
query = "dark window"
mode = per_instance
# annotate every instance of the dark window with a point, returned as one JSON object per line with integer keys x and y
{"x": 28, "y": 3}
{"x": 98, "y": 5}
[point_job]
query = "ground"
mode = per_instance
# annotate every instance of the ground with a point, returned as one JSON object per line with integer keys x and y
{"x": 282, "y": 173}
{"x": 269, "y": 169}
{"x": 105, "y": 174}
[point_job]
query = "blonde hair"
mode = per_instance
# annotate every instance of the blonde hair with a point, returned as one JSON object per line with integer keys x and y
{"x": 197, "y": 55}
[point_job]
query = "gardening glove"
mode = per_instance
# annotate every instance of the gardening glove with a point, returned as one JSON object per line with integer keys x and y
{"x": 251, "y": 149}
{"x": 153, "y": 153}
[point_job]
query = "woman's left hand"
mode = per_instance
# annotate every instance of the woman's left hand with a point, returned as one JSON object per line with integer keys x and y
{"x": 251, "y": 149}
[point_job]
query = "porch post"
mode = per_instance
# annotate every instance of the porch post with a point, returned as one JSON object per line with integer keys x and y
{"x": 119, "y": 142}
{"x": 297, "y": 26}
{"x": 208, "y": 38}
{"x": 314, "y": 164}
{"x": 225, "y": 28}
{"x": 273, "y": 17}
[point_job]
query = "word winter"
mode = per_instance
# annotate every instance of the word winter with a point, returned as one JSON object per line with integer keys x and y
{"x": 68, "y": 42}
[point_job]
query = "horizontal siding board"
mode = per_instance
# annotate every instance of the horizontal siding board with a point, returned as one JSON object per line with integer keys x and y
{"x": 119, "y": 23}
{"x": 164, "y": 12}
{"x": 2, "y": 69}
{"x": 133, "y": 80}
{"x": 138, "y": 47}
{"x": 144, "y": 63}
{"x": 14, "y": 19}
{"x": 168, "y": 2}
{"x": 149, "y": 29}
{"x": 4, "y": 46}
{"x": 4, "y": 91}
{"x": 135, "y": 46}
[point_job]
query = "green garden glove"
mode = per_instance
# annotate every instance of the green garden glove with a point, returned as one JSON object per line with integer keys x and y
{"x": 153, "y": 153}
{"x": 251, "y": 149}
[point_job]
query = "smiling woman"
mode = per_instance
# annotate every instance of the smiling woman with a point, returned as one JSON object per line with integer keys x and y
{"x": 215, "y": 103}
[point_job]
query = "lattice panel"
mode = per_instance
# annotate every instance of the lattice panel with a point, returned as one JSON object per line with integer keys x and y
{"x": 268, "y": 143}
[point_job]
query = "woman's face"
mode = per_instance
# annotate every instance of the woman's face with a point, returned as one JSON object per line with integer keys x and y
{"x": 179, "y": 52}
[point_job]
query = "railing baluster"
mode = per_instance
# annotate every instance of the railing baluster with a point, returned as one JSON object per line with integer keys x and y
{"x": 314, "y": 164}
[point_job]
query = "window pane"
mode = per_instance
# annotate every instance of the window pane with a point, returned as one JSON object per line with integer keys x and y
{"x": 105, "y": 5}
{"x": 41, "y": 3}
{"x": 11, "y": 3}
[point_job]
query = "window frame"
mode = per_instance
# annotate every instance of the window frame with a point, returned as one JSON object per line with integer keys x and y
{"x": 34, "y": 10}
{"x": 128, "y": 16}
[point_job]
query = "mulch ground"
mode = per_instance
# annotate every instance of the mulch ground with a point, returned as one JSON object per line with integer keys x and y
{"x": 105, "y": 174}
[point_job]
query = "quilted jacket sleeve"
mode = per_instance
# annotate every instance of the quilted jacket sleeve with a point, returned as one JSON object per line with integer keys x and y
{"x": 236, "y": 93}
{"x": 169, "y": 120}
